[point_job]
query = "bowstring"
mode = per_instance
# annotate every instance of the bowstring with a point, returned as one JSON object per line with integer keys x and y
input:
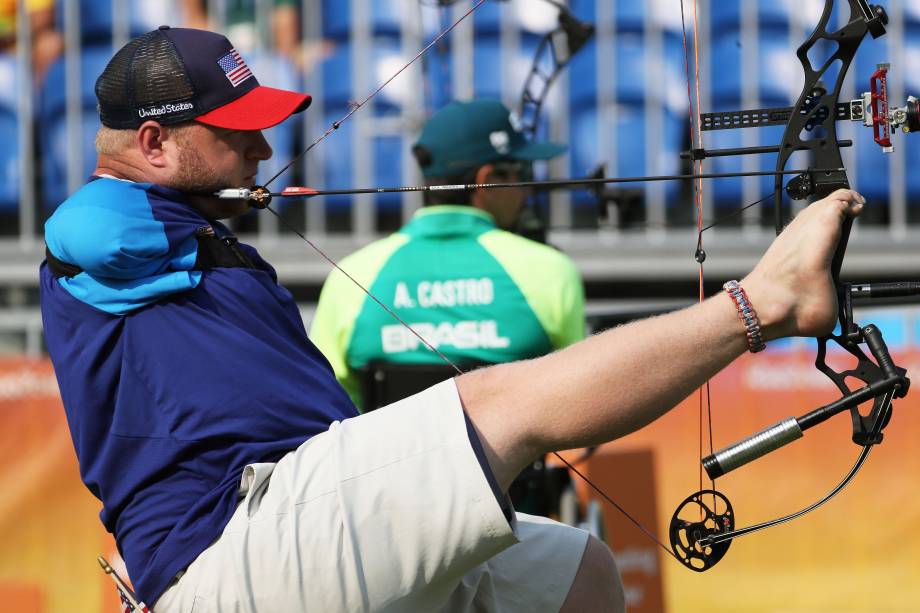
{"x": 335, "y": 126}
{"x": 460, "y": 371}
{"x": 696, "y": 142}
{"x": 696, "y": 53}
{"x": 364, "y": 289}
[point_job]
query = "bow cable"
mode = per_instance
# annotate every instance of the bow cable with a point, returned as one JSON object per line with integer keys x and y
{"x": 696, "y": 136}
{"x": 335, "y": 265}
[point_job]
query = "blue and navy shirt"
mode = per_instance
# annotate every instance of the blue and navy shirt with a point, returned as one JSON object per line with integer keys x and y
{"x": 173, "y": 379}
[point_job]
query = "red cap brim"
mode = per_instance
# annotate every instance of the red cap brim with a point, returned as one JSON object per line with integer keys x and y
{"x": 260, "y": 108}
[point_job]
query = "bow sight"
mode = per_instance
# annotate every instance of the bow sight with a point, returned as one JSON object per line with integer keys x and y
{"x": 872, "y": 108}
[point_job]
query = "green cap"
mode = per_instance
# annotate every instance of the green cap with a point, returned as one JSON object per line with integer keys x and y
{"x": 464, "y": 135}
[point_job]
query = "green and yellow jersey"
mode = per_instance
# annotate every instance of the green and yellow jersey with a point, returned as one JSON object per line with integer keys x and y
{"x": 475, "y": 292}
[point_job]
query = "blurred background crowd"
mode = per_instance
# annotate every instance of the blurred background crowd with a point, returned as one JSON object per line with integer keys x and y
{"x": 622, "y": 105}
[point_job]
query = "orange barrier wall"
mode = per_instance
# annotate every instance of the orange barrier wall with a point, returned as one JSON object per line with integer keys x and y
{"x": 859, "y": 553}
{"x": 49, "y": 522}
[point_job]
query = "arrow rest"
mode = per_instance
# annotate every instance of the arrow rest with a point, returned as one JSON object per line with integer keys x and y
{"x": 699, "y": 517}
{"x": 260, "y": 197}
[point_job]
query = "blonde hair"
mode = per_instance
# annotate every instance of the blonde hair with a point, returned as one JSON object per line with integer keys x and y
{"x": 113, "y": 141}
{"x": 110, "y": 141}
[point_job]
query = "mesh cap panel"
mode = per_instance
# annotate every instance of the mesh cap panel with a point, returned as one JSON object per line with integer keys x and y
{"x": 145, "y": 80}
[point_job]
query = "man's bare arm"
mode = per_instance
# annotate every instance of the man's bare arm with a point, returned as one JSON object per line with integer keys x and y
{"x": 617, "y": 382}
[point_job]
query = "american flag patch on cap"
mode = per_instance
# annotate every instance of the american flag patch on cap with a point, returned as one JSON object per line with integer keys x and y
{"x": 234, "y": 67}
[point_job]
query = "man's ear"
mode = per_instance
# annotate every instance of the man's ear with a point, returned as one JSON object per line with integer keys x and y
{"x": 150, "y": 139}
{"x": 484, "y": 174}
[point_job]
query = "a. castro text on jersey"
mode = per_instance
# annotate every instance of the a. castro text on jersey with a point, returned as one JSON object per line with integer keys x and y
{"x": 460, "y": 335}
{"x": 452, "y": 292}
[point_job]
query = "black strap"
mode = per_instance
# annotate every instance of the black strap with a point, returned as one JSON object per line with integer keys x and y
{"x": 59, "y": 268}
{"x": 213, "y": 252}
{"x": 224, "y": 252}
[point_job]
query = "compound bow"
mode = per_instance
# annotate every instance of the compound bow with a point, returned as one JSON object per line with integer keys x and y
{"x": 700, "y": 542}
{"x": 703, "y": 526}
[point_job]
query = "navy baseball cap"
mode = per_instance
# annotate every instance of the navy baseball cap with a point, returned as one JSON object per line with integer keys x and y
{"x": 174, "y": 75}
{"x": 465, "y": 135}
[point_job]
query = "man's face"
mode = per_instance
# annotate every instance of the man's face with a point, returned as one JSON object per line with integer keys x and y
{"x": 212, "y": 158}
{"x": 505, "y": 203}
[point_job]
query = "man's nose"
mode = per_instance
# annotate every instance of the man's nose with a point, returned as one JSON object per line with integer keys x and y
{"x": 258, "y": 148}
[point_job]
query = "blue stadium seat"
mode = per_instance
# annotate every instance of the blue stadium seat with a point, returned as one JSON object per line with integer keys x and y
{"x": 911, "y": 145}
{"x": 911, "y": 14}
{"x": 9, "y": 161}
{"x": 911, "y": 142}
{"x": 96, "y": 18}
{"x": 728, "y": 15}
{"x": 338, "y": 167}
{"x": 531, "y": 18}
{"x": 386, "y": 56}
{"x": 627, "y": 135}
{"x": 487, "y": 67}
{"x": 386, "y": 17}
{"x": 870, "y": 171}
{"x": 727, "y": 192}
{"x": 52, "y": 122}
{"x": 9, "y": 81}
{"x": 9, "y": 133}
{"x": 490, "y": 61}
{"x": 633, "y": 16}
{"x": 337, "y": 163}
{"x": 437, "y": 86}
{"x": 273, "y": 70}
{"x": 584, "y": 152}
{"x": 632, "y": 72}
{"x": 872, "y": 53}
{"x": 633, "y": 69}
{"x": 582, "y": 72}
{"x": 488, "y": 18}
{"x": 779, "y": 74}
{"x": 388, "y": 171}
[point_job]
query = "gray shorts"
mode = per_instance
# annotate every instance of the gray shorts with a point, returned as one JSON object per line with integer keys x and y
{"x": 389, "y": 511}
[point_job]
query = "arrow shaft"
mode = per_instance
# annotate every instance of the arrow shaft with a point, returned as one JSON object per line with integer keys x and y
{"x": 548, "y": 184}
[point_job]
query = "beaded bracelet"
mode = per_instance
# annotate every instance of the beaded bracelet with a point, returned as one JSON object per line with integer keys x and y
{"x": 747, "y": 314}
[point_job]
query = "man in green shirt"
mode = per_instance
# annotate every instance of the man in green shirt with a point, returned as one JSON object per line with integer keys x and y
{"x": 473, "y": 290}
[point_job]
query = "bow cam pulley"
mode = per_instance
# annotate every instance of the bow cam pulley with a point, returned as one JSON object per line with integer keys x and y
{"x": 696, "y": 521}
